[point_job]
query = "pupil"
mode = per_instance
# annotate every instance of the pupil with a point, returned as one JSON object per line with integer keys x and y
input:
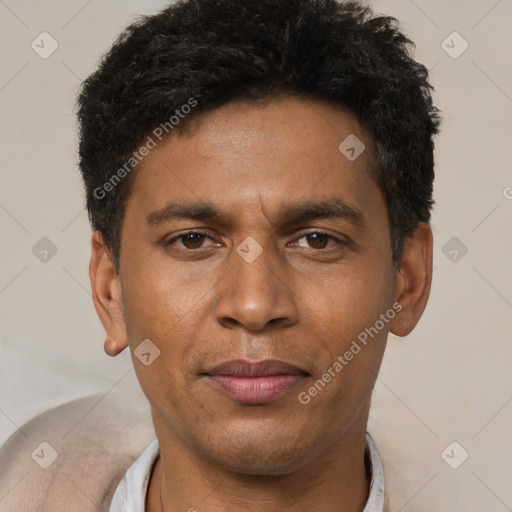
{"x": 318, "y": 240}
{"x": 193, "y": 240}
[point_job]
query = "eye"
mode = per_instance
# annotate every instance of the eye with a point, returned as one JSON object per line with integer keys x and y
{"x": 190, "y": 241}
{"x": 317, "y": 240}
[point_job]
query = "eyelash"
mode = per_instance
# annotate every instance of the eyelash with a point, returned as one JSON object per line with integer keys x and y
{"x": 183, "y": 235}
{"x": 206, "y": 234}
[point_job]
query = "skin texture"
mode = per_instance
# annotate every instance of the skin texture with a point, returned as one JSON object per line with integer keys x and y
{"x": 303, "y": 301}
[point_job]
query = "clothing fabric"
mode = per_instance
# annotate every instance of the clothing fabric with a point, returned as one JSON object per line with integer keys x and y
{"x": 130, "y": 495}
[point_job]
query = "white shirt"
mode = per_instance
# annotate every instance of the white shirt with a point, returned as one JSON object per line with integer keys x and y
{"x": 130, "y": 495}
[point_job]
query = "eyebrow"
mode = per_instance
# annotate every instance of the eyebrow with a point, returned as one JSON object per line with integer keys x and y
{"x": 334, "y": 208}
{"x": 194, "y": 211}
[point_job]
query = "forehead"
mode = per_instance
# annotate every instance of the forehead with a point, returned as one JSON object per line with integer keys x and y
{"x": 242, "y": 154}
{"x": 289, "y": 128}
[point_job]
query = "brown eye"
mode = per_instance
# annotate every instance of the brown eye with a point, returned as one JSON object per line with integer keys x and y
{"x": 192, "y": 240}
{"x": 318, "y": 240}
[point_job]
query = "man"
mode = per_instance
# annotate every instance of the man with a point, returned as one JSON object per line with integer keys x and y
{"x": 259, "y": 182}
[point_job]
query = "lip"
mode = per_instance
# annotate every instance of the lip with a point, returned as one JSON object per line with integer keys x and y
{"x": 255, "y": 383}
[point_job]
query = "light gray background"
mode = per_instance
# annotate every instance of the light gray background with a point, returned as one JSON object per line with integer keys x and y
{"x": 450, "y": 380}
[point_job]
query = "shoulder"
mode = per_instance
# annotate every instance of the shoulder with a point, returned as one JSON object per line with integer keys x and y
{"x": 73, "y": 456}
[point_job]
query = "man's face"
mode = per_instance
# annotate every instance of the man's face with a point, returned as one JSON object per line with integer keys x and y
{"x": 210, "y": 297}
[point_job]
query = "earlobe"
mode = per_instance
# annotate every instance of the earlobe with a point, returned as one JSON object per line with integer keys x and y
{"x": 106, "y": 294}
{"x": 413, "y": 280}
{"x": 112, "y": 347}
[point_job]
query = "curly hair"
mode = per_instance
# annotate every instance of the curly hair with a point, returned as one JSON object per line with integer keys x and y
{"x": 197, "y": 55}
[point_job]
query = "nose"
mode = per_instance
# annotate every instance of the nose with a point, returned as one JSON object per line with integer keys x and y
{"x": 256, "y": 295}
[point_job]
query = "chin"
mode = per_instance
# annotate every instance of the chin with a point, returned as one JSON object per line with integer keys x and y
{"x": 261, "y": 454}
{"x": 262, "y": 463}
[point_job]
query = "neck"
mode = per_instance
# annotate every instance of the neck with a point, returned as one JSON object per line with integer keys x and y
{"x": 335, "y": 479}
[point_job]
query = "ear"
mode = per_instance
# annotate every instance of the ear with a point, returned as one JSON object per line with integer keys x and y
{"x": 106, "y": 295}
{"x": 414, "y": 280}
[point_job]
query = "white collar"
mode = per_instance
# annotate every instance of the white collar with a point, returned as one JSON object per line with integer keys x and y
{"x": 130, "y": 495}
{"x": 377, "y": 496}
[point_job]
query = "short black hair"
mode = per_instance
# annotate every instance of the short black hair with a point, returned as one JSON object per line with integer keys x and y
{"x": 197, "y": 55}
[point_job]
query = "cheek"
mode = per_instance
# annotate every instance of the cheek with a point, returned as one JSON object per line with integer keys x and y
{"x": 352, "y": 299}
{"x": 157, "y": 301}
{"x": 164, "y": 381}
{"x": 350, "y": 308}
{"x": 168, "y": 308}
